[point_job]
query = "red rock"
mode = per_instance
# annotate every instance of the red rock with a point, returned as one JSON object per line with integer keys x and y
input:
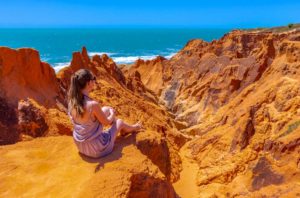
{"x": 24, "y": 75}
{"x": 237, "y": 97}
{"x": 8, "y": 123}
{"x": 31, "y": 120}
{"x": 150, "y": 72}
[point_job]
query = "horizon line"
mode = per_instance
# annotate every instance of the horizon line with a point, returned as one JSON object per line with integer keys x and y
{"x": 140, "y": 26}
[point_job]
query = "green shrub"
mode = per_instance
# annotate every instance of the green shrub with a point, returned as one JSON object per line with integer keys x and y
{"x": 290, "y": 25}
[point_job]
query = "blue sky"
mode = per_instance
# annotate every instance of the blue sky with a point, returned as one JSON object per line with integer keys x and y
{"x": 92, "y": 13}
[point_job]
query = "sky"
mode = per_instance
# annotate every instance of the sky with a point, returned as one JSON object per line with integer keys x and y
{"x": 141, "y": 13}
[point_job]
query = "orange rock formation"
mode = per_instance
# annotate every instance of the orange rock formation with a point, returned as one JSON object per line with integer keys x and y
{"x": 24, "y": 76}
{"x": 235, "y": 100}
{"x": 239, "y": 96}
{"x": 154, "y": 158}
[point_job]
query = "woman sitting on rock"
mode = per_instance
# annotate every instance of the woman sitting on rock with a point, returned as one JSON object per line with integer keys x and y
{"x": 88, "y": 118}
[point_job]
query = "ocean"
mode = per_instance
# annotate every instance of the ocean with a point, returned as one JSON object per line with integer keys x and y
{"x": 124, "y": 45}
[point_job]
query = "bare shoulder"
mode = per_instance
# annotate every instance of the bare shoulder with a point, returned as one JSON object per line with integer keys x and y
{"x": 93, "y": 104}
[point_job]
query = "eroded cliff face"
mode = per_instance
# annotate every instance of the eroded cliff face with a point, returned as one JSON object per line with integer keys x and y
{"x": 150, "y": 71}
{"x": 239, "y": 96}
{"x": 255, "y": 134}
{"x": 236, "y": 98}
{"x": 24, "y": 77}
{"x": 205, "y": 76}
{"x": 161, "y": 139}
{"x": 151, "y": 162}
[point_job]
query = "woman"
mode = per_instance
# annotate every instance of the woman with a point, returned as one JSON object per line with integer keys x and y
{"x": 88, "y": 118}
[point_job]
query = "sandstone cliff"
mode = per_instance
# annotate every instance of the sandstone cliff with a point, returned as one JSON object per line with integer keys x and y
{"x": 153, "y": 163}
{"x": 239, "y": 96}
{"x": 24, "y": 78}
{"x": 236, "y": 98}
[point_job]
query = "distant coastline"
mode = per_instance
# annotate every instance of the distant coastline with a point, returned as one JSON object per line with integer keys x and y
{"x": 123, "y": 45}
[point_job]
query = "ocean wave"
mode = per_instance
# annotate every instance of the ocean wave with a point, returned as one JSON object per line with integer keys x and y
{"x": 132, "y": 59}
{"x": 170, "y": 55}
{"x": 45, "y": 59}
{"x": 100, "y": 53}
{"x": 59, "y": 66}
{"x": 172, "y": 49}
{"x": 118, "y": 60}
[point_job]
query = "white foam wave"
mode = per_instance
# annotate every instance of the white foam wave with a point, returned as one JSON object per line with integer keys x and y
{"x": 101, "y": 53}
{"x": 59, "y": 66}
{"x": 132, "y": 59}
{"x": 170, "y": 56}
{"x": 172, "y": 49}
{"x": 118, "y": 60}
{"x": 45, "y": 59}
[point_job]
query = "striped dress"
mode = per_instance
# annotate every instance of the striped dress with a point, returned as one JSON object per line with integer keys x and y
{"x": 90, "y": 138}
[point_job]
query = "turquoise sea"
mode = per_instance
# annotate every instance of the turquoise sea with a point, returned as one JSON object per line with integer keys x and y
{"x": 124, "y": 45}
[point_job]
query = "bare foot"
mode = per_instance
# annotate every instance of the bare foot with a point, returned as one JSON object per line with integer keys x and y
{"x": 138, "y": 126}
{"x": 135, "y": 128}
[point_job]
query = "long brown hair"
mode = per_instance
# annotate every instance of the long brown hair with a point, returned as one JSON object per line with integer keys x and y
{"x": 78, "y": 82}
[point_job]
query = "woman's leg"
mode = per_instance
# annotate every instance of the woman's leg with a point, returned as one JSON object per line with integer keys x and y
{"x": 119, "y": 126}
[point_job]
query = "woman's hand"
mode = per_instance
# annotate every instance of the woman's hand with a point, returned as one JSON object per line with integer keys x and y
{"x": 106, "y": 114}
{"x": 111, "y": 110}
{"x": 112, "y": 115}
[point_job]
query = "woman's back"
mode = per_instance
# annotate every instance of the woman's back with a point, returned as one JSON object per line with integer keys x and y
{"x": 87, "y": 115}
{"x": 86, "y": 127}
{"x": 88, "y": 132}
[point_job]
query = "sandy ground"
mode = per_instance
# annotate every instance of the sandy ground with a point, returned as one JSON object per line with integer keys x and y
{"x": 186, "y": 186}
{"x": 52, "y": 167}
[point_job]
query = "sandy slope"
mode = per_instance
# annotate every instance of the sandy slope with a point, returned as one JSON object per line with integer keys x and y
{"x": 52, "y": 167}
{"x": 186, "y": 186}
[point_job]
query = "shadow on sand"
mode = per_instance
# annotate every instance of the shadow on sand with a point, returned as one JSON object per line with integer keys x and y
{"x": 116, "y": 154}
{"x": 160, "y": 187}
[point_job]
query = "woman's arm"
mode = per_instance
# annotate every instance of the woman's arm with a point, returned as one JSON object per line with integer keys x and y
{"x": 100, "y": 115}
